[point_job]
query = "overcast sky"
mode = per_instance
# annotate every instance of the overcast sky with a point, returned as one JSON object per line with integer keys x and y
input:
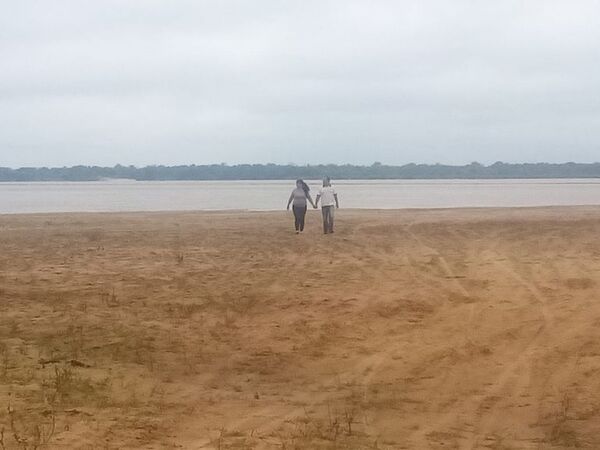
{"x": 181, "y": 82}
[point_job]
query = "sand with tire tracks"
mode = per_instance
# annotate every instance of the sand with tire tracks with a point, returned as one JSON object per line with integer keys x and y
{"x": 467, "y": 328}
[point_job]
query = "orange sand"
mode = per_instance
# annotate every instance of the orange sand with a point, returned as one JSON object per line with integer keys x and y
{"x": 405, "y": 329}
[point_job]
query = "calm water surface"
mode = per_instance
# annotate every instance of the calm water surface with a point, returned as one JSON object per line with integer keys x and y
{"x": 117, "y": 195}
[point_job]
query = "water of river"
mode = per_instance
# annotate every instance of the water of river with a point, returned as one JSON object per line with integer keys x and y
{"x": 125, "y": 195}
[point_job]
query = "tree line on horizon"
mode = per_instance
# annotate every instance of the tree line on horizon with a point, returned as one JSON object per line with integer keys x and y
{"x": 498, "y": 170}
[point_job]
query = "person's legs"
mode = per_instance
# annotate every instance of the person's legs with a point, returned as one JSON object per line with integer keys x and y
{"x": 296, "y": 218}
{"x": 302, "y": 218}
{"x": 328, "y": 219}
{"x": 325, "y": 212}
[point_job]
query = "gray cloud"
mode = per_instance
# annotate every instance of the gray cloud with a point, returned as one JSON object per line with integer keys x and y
{"x": 131, "y": 82}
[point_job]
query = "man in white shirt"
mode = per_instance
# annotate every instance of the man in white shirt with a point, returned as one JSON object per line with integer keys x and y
{"x": 329, "y": 201}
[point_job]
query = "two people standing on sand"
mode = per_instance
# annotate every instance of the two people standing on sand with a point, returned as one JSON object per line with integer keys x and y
{"x": 301, "y": 195}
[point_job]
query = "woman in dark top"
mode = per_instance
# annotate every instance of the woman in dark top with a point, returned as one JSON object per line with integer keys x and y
{"x": 298, "y": 199}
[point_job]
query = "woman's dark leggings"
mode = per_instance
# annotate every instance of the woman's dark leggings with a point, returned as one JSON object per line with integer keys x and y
{"x": 299, "y": 215}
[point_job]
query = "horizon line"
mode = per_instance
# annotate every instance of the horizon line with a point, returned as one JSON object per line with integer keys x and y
{"x": 374, "y": 164}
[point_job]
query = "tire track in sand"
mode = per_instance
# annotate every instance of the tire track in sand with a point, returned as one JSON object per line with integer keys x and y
{"x": 515, "y": 379}
{"x": 515, "y": 374}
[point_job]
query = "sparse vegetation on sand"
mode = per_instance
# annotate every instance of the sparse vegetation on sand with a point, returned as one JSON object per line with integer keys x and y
{"x": 428, "y": 329}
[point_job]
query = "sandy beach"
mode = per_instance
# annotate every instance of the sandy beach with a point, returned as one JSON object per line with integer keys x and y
{"x": 465, "y": 328}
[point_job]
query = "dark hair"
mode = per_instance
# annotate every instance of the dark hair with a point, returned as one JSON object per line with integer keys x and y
{"x": 303, "y": 185}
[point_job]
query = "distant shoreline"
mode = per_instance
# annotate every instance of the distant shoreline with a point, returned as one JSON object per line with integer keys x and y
{"x": 265, "y": 172}
{"x": 476, "y": 211}
{"x": 338, "y": 181}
